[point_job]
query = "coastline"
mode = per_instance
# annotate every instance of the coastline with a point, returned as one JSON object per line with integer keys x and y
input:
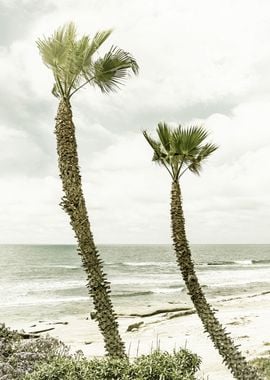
{"x": 245, "y": 317}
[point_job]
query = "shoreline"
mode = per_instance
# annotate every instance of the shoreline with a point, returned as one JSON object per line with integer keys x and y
{"x": 245, "y": 317}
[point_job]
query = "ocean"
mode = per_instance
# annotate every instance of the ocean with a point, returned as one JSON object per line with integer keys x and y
{"x": 45, "y": 282}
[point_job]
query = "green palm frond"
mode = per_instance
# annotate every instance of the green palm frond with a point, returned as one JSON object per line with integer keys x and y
{"x": 189, "y": 139}
{"x": 165, "y": 136}
{"x": 195, "y": 163}
{"x": 156, "y": 146}
{"x": 72, "y": 64}
{"x": 207, "y": 150}
{"x": 111, "y": 70}
{"x": 54, "y": 50}
{"x": 98, "y": 40}
{"x": 160, "y": 155}
{"x": 180, "y": 149}
{"x": 57, "y": 53}
{"x": 195, "y": 167}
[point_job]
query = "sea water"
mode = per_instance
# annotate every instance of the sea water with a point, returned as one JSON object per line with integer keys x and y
{"x": 41, "y": 282}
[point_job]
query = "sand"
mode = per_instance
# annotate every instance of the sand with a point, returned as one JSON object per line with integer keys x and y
{"x": 246, "y": 318}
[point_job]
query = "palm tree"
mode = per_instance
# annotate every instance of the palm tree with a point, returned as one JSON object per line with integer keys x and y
{"x": 72, "y": 63}
{"x": 180, "y": 150}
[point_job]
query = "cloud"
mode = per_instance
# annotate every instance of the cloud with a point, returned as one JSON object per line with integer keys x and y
{"x": 200, "y": 61}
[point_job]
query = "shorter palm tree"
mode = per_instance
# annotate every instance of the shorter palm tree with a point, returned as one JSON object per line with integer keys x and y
{"x": 180, "y": 150}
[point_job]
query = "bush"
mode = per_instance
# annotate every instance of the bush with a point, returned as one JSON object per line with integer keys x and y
{"x": 19, "y": 356}
{"x": 164, "y": 366}
{"x": 82, "y": 369}
{"x": 48, "y": 359}
{"x": 180, "y": 365}
{"x": 263, "y": 364}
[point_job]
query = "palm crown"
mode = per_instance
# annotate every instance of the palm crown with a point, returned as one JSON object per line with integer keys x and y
{"x": 180, "y": 149}
{"x": 71, "y": 61}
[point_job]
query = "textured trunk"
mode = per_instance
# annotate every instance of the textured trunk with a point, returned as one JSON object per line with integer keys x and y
{"x": 221, "y": 339}
{"x": 74, "y": 204}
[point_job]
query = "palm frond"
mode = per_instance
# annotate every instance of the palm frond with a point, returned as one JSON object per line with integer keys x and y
{"x": 195, "y": 162}
{"x": 71, "y": 61}
{"x": 160, "y": 156}
{"x": 98, "y": 39}
{"x": 164, "y": 134}
{"x": 180, "y": 149}
{"x": 57, "y": 53}
{"x": 189, "y": 139}
{"x": 207, "y": 150}
{"x": 111, "y": 70}
{"x": 195, "y": 167}
{"x": 155, "y": 145}
{"x": 53, "y": 50}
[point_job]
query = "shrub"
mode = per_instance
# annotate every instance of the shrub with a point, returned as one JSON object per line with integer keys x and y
{"x": 19, "y": 356}
{"x": 82, "y": 369}
{"x": 180, "y": 365}
{"x": 164, "y": 366}
{"x": 7, "y": 340}
{"x": 48, "y": 359}
{"x": 263, "y": 364}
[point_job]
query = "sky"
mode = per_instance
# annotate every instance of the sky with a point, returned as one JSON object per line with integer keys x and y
{"x": 201, "y": 62}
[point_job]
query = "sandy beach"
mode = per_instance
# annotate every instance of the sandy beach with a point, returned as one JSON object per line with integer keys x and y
{"x": 246, "y": 318}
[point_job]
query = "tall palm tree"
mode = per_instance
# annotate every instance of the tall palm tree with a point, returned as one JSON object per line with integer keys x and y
{"x": 180, "y": 150}
{"x": 72, "y": 63}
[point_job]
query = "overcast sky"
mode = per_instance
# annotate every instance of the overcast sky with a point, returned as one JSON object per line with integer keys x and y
{"x": 200, "y": 61}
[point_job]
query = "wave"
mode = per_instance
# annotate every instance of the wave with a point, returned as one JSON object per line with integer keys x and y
{"x": 40, "y": 286}
{"x": 237, "y": 282}
{"x": 149, "y": 263}
{"x": 144, "y": 280}
{"x": 148, "y": 292}
{"x": 41, "y": 301}
{"x": 171, "y": 264}
{"x": 168, "y": 290}
{"x": 261, "y": 261}
{"x": 239, "y": 262}
{"x": 72, "y": 267}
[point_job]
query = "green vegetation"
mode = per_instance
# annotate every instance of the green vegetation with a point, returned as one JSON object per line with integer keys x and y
{"x": 74, "y": 65}
{"x": 180, "y": 150}
{"x": 181, "y": 365}
{"x": 19, "y": 356}
{"x": 48, "y": 359}
{"x": 263, "y": 364}
{"x": 164, "y": 366}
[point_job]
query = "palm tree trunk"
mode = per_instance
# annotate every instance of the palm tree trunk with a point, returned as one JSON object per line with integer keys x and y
{"x": 74, "y": 204}
{"x": 221, "y": 339}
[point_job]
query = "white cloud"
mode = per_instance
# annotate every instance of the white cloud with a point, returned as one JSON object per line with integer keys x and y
{"x": 203, "y": 60}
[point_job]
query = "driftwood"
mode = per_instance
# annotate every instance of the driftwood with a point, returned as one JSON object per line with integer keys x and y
{"x": 161, "y": 311}
{"x": 58, "y": 323}
{"x": 41, "y": 331}
{"x": 181, "y": 314}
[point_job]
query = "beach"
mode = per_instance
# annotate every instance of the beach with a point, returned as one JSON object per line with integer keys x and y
{"x": 246, "y": 318}
{"x": 42, "y": 288}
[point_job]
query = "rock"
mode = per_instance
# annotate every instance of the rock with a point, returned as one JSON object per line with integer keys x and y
{"x": 93, "y": 315}
{"x": 88, "y": 342}
{"x": 134, "y": 326}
